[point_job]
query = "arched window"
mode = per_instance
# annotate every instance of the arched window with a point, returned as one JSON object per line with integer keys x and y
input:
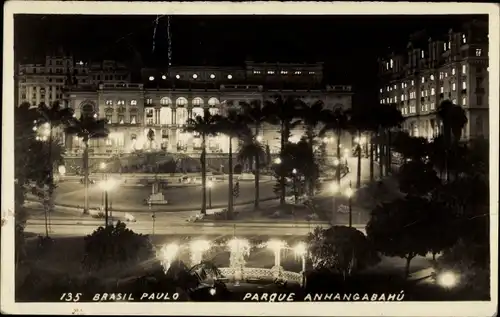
{"x": 197, "y": 101}
{"x": 197, "y": 111}
{"x": 180, "y": 102}
{"x": 214, "y": 111}
{"x": 166, "y": 115}
{"x": 165, "y": 101}
{"x": 213, "y": 101}
{"x": 181, "y": 116}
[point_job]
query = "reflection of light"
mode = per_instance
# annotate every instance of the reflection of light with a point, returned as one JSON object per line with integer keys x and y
{"x": 276, "y": 245}
{"x": 277, "y": 160}
{"x": 334, "y": 187}
{"x": 349, "y": 192}
{"x": 259, "y": 138}
{"x": 178, "y": 76}
{"x": 151, "y": 78}
{"x": 62, "y": 169}
{"x": 300, "y": 249}
{"x": 210, "y": 184}
{"x": 447, "y": 279}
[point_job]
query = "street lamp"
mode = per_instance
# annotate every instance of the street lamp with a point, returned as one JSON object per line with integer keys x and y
{"x": 336, "y": 162}
{"x": 295, "y": 194}
{"x": 106, "y": 186}
{"x": 259, "y": 138}
{"x": 447, "y": 279}
{"x": 210, "y": 184}
{"x": 349, "y": 192}
{"x": 277, "y": 160}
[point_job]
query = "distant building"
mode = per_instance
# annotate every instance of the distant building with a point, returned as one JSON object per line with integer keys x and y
{"x": 164, "y": 101}
{"x": 453, "y": 67}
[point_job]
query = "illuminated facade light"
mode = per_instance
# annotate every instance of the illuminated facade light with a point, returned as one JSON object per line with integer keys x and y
{"x": 163, "y": 77}
{"x": 195, "y": 76}
{"x": 151, "y": 78}
{"x": 178, "y": 76}
{"x": 229, "y": 76}
{"x": 212, "y": 76}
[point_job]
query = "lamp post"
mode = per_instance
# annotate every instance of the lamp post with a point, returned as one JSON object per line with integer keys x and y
{"x": 210, "y": 184}
{"x": 106, "y": 186}
{"x": 349, "y": 192}
{"x": 300, "y": 250}
{"x": 294, "y": 175}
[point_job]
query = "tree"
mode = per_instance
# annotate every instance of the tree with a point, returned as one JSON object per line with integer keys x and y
{"x": 417, "y": 178}
{"x": 453, "y": 119}
{"x": 312, "y": 116}
{"x": 204, "y": 126}
{"x": 254, "y": 115}
{"x": 87, "y": 127}
{"x": 117, "y": 247}
{"x": 399, "y": 228}
{"x": 410, "y": 148}
{"x": 359, "y": 123}
{"x": 341, "y": 249}
{"x": 283, "y": 111}
{"x": 252, "y": 151}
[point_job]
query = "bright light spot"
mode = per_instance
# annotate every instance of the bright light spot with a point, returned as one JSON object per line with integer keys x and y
{"x": 334, "y": 187}
{"x": 195, "y": 76}
{"x": 44, "y": 138}
{"x": 210, "y": 184}
{"x": 34, "y": 128}
{"x": 238, "y": 245}
{"x": 199, "y": 245}
{"x": 349, "y": 192}
{"x": 46, "y": 125}
{"x": 277, "y": 160}
{"x": 276, "y": 245}
{"x": 229, "y": 76}
{"x": 336, "y": 162}
{"x": 294, "y": 171}
{"x": 168, "y": 253}
{"x": 163, "y": 77}
{"x": 74, "y": 115}
{"x": 447, "y": 279}
{"x": 80, "y": 63}
{"x": 259, "y": 138}
{"x": 325, "y": 140}
{"x": 151, "y": 78}
{"x": 363, "y": 140}
{"x": 108, "y": 184}
{"x": 34, "y": 122}
{"x": 95, "y": 115}
{"x": 300, "y": 249}
{"x": 212, "y": 76}
{"x": 178, "y": 76}
{"x": 37, "y": 138}
{"x": 356, "y": 140}
{"x": 102, "y": 165}
{"x": 62, "y": 169}
{"x": 212, "y": 291}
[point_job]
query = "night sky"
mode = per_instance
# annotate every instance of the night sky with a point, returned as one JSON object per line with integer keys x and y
{"x": 349, "y": 45}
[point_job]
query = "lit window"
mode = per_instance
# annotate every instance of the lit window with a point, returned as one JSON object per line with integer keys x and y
{"x": 395, "y": 98}
{"x": 256, "y": 71}
{"x": 433, "y": 105}
{"x": 381, "y": 90}
{"x": 406, "y": 85}
{"x": 464, "y": 85}
{"x": 133, "y": 119}
{"x": 109, "y": 141}
{"x": 402, "y": 85}
{"x": 453, "y": 86}
{"x": 151, "y": 78}
{"x": 453, "y": 71}
{"x": 464, "y": 101}
{"x": 390, "y": 100}
{"x": 479, "y": 52}
{"x": 441, "y": 75}
{"x": 395, "y": 87}
{"x": 284, "y": 72}
{"x": 402, "y": 97}
{"x": 386, "y": 65}
{"x": 464, "y": 69}
{"x": 422, "y": 54}
{"x": 178, "y": 76}
{"x": 120, "y": 102}
{"x": 454, "y": 101}
{"x": 109, "y": 117}
{"x": 446, "y": 74}
{"x": 229, "y": 76}
{"x": 195, "y": 76}
{"x": 449, "y": 44}
{"x": 388, "y": 88}
{"x": 109, "y": 102}
{"x": 298, "y": 72}
{"x": 392, "y": 63}
{"x": 432, "y": 77}
{"x": 387, "y": 100}
{"x": 426, "y": 92}
{"x": 121, "y": 120}
{"x": 382, "y": 101}
{"x": 197, "y": 101}
{"x": 149, "y": 101}
{"x": 133, "y": 102}
{"x": 312, "y": 73}
{"x": 423, "y": 80}
{"x": 433, "y": 91}
{"x": 165, "y": 101}
{"x": 412, "y": 82}
{"x": 441, "y": 90}
{"x": 444, "y": 46}
{"x": 163, "y": 77}
{"x": 270, "y": 72}
{"x": 212, "y": 76}
{"x": 464, "y": 39}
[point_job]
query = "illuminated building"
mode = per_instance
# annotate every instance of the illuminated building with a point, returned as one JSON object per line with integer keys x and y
{"x": 454, "y": 67}
{"x": 164, "y": 102}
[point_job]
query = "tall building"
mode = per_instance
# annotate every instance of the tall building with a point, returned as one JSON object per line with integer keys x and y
{"x": 162, "y": 103}
{"x": 452, "y": 67}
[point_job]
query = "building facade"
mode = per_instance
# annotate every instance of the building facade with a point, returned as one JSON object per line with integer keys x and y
{"x": 454, "y": 67}
{"x": 163, "y": 102}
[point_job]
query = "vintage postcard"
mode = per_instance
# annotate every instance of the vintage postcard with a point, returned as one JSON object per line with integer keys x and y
{"x": 250, "y": 158}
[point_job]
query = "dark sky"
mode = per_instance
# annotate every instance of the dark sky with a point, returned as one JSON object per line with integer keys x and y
{"x": 349, "y": 45}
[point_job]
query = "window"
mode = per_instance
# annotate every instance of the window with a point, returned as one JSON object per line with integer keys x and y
{"x": 444, "y": 46}
{"x": 426, "y": 92}
{"x": 402, "y": 97}
{"x": 381, "y": 90}
{"x": 412, "y": 95}
{"x": 181, "y": 101}
{"x": 433, "y": 91}
{"x": 197, "y": 101}
{"x": 441, "y": 89}
{"x": 256, "y": 72}
{"x": 386, "y": 65}
{"x": 388, "y": 88}
{"x": 133, "y": 119}
{"x": 121, "y": 119}
{"x": 390, "y": 100}
{"x": 464, "y": 85}
{"x": 445, "y": 74}
{"x": 284, "y": 72}
{"x": 422, "y": 54}
{"x": 120, "y": 102}
{"x": 433, "y": 105}
{"x": 464, "y": 39}
{"x": 312, "y": 73}
{"x": 165, "y": 101}
{"x": 270, "y": 72}
{"x": 432, "y": 77}
{"x": 449, "y": 44}
{"x": 109, "y": 102}
{"x": 423, "y": 79}
{"x": 454, "y": 101}
{"x": 149, "y": 121}
{"x": 453, "y": 71}
{"x": 149, "y": 101}
{"x": 402, "y": 85}
{"x": 395, "y": 98}
{"x": 298, "y": 72}
{"x": 453, "y": 86}
{"x": 109, "y": 141}
{"x": 387, "y": 100}
{"x": 392, "y": 63}
{"x": 133, "y": 102}
{"x": 464, "y": 69}
{"x": 464, "y": 101}
{"x": 395, "y": 87}
{"x": 479, "y": 100}
{"x": 109, "y": 118}
{"x": 479, "y": 52}
{"x": 412, "y": 82}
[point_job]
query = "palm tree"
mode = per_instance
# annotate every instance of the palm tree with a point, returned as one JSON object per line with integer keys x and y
{"x": 255, "y": 116}
{"x": 359, "y": 123}
{"x": 337, "y": 121}
{"x": 87, "y": 127}
{"x": 312, "y": 117}
{"x": 283, "y": 111}
{"x": 252, "y": 151}
{"x": 232, "y": 125}
{"x": 453, "y": 120}
{"x": 205, "y": 126}
{"x": 52, "y": 117}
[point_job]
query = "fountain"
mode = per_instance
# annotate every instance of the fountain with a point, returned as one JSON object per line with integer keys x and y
{"x": 239, "y": 248}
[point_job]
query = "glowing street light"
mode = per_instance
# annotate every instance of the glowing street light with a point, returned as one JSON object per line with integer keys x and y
{"x": 168, "y": 253}
{"x": 210, "y": 185}
{"x": 102, "y": 165}
{"x": 294, "y": 171}
{"x": 277, "y": 160}
{"x": 259, "y": 138}
{"x": 300, "y": 250}
{"x": 197, "y": 248}
{"x": 349, "y": 193}
{"x": 62, "y": 170}
{"x": 447, "y": 279}
{"x": 336, "y": 162}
